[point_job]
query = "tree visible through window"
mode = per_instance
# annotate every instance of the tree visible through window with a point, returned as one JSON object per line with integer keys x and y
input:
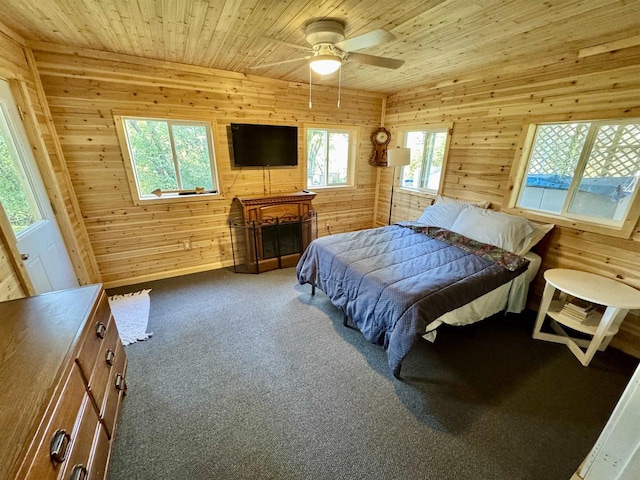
{"x": 584, "y": 170}
{"x": 328, "y": 157}
{"x": 428, "y": 149}
{"x": 172, "y": 156}
{"x": 15, "y": 195}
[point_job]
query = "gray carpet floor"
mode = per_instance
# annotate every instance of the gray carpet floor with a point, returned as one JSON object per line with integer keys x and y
{"x": 250, "y": 377}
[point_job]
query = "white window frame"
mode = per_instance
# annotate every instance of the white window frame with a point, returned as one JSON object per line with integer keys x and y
{"x": 621, "y": 229}
{"x": 351, "y": 161}
{"x": 16, "y": 140}
{"x": 132, "y": 178}
{"x": 429, "y": 129}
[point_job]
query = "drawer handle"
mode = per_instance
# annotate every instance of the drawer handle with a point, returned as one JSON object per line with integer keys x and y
{"x": 100, "y": 329}
{"x": 79, "y": 472}
{"x": 110, "y": 356}
{"x": 59, "y": 445}
{"x": 120, "y": 382}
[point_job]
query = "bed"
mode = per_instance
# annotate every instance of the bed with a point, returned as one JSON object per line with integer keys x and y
{"x": 456, "y": 264}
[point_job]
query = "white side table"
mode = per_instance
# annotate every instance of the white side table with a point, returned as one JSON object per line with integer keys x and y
{"x": 617, "y": 297}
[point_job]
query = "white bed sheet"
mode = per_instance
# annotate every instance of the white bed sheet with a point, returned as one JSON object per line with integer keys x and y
{"x": 510, "y": 297}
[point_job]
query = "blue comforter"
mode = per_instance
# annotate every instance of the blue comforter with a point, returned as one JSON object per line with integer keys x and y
{"x": 393, "y": 281}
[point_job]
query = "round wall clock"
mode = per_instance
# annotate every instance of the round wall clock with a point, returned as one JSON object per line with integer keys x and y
{"x": 381, "y": 138}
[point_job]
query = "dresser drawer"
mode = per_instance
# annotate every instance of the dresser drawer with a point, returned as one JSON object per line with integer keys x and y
{"x": 58, "y": 441}
{"x": 107, "y": 359}
{"x": 80, "y": 458}
{"x": 116, "y": 388}
{"x": 95, "y": 332}
{"x": 100, "y": 457}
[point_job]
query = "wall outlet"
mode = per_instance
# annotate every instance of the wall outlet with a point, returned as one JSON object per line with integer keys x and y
{"x": 327, "y": 225}
{"x": 186, "y": 244}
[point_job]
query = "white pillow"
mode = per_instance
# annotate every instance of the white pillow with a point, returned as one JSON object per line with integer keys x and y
{"x": 442, "y": 200}
{"x": 540, "y": 230}
{"x": 506, "y": 231}
{"x": 442, "y": 216}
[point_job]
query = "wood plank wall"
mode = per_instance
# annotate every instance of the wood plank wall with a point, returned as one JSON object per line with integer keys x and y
{"x": 15, "y": 64}
{"x": 138, "y": 243}
{"x": 12, "y": 65}
{"x": 488, "y": 115}
{"x": 10, "y": 282}
{"x": 10, "y": 287}
{"x": 50, "y": 159}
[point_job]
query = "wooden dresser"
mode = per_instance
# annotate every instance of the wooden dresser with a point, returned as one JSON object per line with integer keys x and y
{"x": 62, "y": 371}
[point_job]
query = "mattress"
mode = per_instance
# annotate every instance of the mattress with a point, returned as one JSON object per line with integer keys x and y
{"x": 510, "y": 297}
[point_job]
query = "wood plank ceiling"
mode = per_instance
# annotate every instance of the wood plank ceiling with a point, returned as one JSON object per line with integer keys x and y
{"x": 440, "y": 40}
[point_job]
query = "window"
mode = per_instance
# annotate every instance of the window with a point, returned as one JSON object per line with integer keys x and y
{"x": 428, "y": 159}
{"x": 585, "y": 171}
{"x": 16, "y": 194}
{"x": 169, "y": 158}
{"x": 330, "y": 156}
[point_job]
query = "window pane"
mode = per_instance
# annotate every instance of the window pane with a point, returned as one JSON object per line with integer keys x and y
{"x": 316, "y": 157}
{"x": 192, "y": 151}
{"x": 151, "y": 154}
{"x": 15, "y": 194}
{"x": 338, "y": 158}
{"x": 411, "y": 174}
{"x": 611, "y": 173}
{"x": 435, "y": 144}
{"x": 554, "y": 156}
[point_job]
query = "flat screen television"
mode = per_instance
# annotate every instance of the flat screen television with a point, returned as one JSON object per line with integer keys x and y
{"x": 264, "y": 145}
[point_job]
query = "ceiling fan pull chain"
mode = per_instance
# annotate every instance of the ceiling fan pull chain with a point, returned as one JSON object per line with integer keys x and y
{"x": 339, "y": 83}
{"x": 310, "y": 105}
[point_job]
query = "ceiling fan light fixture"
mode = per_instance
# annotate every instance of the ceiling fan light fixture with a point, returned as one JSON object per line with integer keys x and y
{"x": 325, "y": 64}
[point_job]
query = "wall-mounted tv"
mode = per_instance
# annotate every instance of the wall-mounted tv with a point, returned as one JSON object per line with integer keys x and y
{"x": 264, "y": 145}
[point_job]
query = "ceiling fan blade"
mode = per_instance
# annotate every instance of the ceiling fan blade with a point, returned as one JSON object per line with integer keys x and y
{"x": 287, "y": 44}
{"x": 374, "y": 60}
{"x": 374, "y": 37}
{"x": 273, "y": 64}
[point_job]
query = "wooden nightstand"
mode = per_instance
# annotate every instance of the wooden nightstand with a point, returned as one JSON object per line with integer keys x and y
{"x": 617, "y": 297}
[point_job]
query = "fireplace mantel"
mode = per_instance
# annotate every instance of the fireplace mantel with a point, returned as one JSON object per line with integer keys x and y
{"x": 257, "y": 209}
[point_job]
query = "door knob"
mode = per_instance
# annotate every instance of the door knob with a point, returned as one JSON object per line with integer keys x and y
{"x": 24, "y": 256}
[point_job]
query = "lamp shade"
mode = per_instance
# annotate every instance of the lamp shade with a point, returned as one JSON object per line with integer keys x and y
{"x": 325, "y": 64}
{"x": 397, "y": 157}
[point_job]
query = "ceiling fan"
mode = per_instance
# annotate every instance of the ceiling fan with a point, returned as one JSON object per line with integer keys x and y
{"x": 329, "y": 48}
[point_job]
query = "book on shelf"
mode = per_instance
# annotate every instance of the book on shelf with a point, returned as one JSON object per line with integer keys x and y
{"x": 579, "y": 310}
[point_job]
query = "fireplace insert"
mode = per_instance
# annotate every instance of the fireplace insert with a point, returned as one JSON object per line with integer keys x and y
{"x": 274, "y": 242}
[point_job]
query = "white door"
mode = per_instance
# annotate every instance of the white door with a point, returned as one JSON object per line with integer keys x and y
{"x": 616, "y": 454}
{"x": 27, "y": 206}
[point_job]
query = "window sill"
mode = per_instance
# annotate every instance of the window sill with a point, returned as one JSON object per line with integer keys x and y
{"x": 619, "y": 232}
{"x": 330, "y": 188}
{"x": 175, "y": 198}
{"x": 418, "y": 190}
